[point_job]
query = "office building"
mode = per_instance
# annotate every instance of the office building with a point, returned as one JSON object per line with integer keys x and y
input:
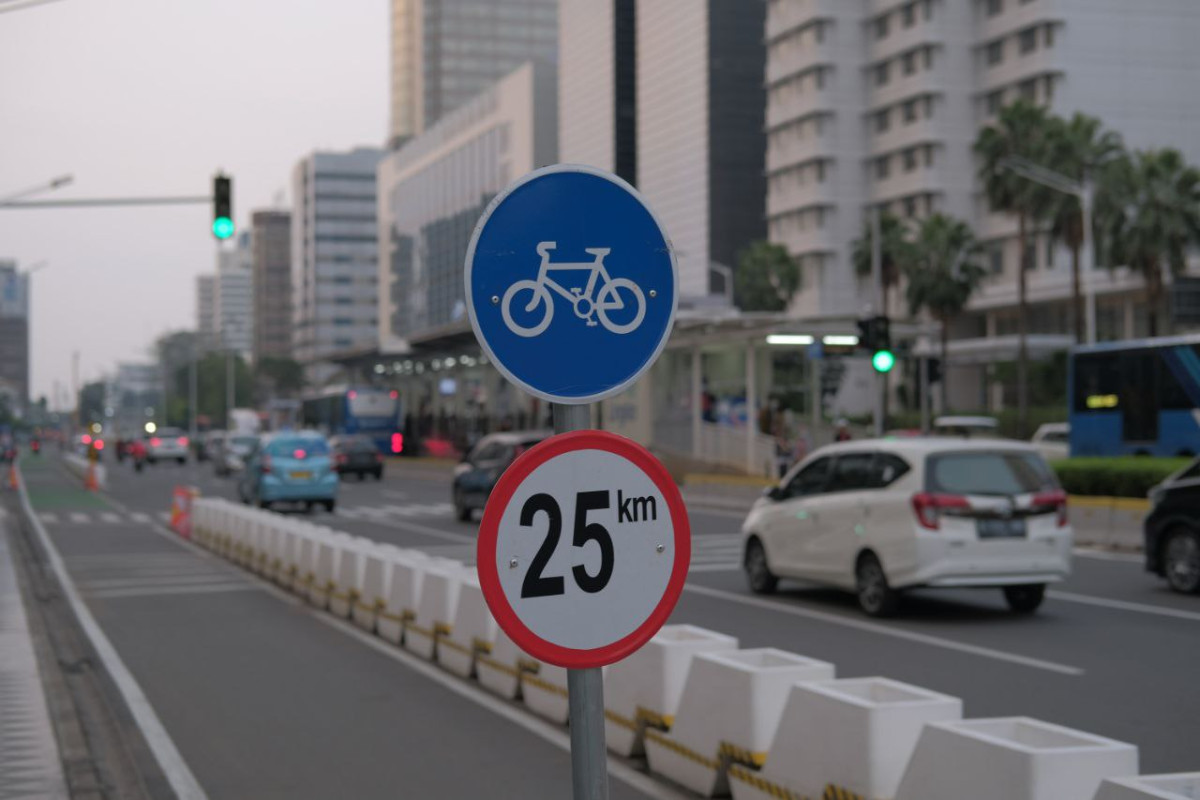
{"x": 334, "y": 248}
{"x": 234, "y": 296}
{"x": 206, "y": 311}
{"x": 879, "y": 104}
{"x": 700, "y": 141}
{"x": 433, "y": 190}
{"x": 272, "y": 264}
{"x": 14, "y": 336}
{"x": 445, "y": 52}
{"x": 597, "y": 101}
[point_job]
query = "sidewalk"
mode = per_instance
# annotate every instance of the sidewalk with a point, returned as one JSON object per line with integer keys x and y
{"x": 30, "y": 765}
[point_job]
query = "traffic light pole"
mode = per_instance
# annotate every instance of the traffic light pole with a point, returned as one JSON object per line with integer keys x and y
{"x": 877, "y": 287}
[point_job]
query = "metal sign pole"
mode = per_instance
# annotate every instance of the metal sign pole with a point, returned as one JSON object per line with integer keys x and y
{"x": 585, "y": 687}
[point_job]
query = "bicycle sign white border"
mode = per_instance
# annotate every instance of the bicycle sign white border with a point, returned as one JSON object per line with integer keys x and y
{"x": 537, "y": 391}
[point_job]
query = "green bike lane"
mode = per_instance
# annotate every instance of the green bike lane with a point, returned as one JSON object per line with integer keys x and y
{"x": 262, "y": 697}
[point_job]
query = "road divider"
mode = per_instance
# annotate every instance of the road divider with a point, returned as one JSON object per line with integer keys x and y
{"x": 78, "y": 466}
{"x": 760, "y": 723}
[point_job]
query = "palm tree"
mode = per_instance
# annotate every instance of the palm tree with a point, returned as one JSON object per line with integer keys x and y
{"x": 1080, "y": 148}
{"x": 894, "y": 251}
{"x": 1155, "y": 218}
{"x": 1020, "y": 131}
{"x": 942, "y": 274}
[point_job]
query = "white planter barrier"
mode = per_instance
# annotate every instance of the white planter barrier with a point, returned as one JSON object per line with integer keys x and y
{"x": 1181, "y": 786}
{"x": 436, "y": 606}
{"x": 376, "y": 582}
{"x": 323, "y": 566}
{"x": 408, "y": 574}
{"x": 643, "y": 690}
{"x": 78, "y": 466}
{"x": 854, "y": 735}
{"x": 544, "y": 691}
{"x": 1012, "y": 758}
{"x": 348, "y": 583}
{"x": 727, "y": 714}
{"x": 501, "y": 670}
{"x": 473, "y": 631}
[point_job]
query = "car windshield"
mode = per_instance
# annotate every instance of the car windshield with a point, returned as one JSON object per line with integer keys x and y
{"x": 356, "y": 446}
{"x": 287, "y": 447}
{"x": 988, "y": 473}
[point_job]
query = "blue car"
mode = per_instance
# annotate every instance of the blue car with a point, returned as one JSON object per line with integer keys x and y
{"x": 291, "y": 467}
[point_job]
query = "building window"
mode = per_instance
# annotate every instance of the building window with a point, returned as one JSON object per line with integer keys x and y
{"x": 881, "y": 27}
{"x": 927, "y": 9}
{"x": 1030, "y": 255}
{"x": 995, "y": 7}
{"x": 910, "y": 111}
{"x": 928, "y": 103}
{"x": 908, "y": 15}
{"x": 995, "y": 52}
{"x": 881, "y": 74}
{"x": 996, "y": 257}
{"x": 910, "y": 207}
{"x": 1028, "y": 90}
{"x": 910, "y": 159}
{"x": 1048, "y": 89}
{"x": 1027, "y": 40}
{"x": 1049, "y": 252}
{"x": 1049, "y": 36}
{"x": 928, "y": 54}
{"x": 995, "y": 101}
{"x": 883, "y": 120}
{"x": 909, "y": 62}
{"x": 819, "y": 169}
{"x": 882, "y": 167}
{"x": 929, "y": 155}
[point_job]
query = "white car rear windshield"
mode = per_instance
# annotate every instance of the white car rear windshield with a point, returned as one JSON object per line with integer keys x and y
{"x": 994, "y": 473}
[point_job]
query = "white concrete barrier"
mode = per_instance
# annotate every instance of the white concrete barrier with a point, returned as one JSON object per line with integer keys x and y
{"x": 544, "y": 691}
{"x": 473, "y": 631}
{"x": 643, "y": 690}
{"x": 348, "y": 582}
{"x": 728, "y": 713}
{"x": 323, "y": 566}
{"x": 78, "y": 466}
{"x": 436, "y": 606}
{"x": 1012, "y": 758}
{"x": 376, "y": 583}
{"x": 1180, "y": 786}
{"x": 501, "y": 670}
{"x": 853, "y": 736}
{"x": 408, "y": 573}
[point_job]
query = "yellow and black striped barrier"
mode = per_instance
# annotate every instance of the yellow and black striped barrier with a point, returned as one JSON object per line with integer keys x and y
{"x": 675, "y": 747}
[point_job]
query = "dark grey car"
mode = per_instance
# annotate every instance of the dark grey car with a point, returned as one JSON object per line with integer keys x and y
{"x": 475, "y": 477}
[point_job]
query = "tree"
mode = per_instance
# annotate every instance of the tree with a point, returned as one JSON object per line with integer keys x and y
{"x": 895, "y": 250}
{"x": 1155, "y": 218}
{"x": 1079, "y": 149}
{"x": 1020, "y": 131}
{"x": 278, "y": 377}
{"x": 942, "y": 274}
{"x": 767, "y": 278}
{"x": 211, "y": 389}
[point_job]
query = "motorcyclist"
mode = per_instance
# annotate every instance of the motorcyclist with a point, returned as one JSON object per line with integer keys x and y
{"x": 136, "y": 450}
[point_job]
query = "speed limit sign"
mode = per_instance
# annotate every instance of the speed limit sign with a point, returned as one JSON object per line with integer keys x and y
{"x": 583, "y": 549}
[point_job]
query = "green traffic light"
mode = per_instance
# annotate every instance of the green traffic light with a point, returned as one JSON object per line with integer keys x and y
{"x": 222, "y": 227}
{"x": 883, "y": 360}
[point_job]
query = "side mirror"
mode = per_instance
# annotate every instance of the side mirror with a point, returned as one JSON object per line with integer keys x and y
{"x": 774, "y": 493}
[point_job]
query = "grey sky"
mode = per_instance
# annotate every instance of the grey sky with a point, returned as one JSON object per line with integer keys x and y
{"x": 150, "y": 97}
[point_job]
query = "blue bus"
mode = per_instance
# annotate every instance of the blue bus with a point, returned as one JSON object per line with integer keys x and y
{"x": 365, "y": 411}
{"x": 1136, "y": 397}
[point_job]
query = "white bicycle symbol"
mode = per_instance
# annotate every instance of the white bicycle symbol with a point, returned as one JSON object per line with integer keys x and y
{"x": 607, "y": 300}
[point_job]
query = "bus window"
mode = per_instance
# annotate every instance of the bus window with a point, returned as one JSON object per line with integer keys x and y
{"x": 1139, "y": 396}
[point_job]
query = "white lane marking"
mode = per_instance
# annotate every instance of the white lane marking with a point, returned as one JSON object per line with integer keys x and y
{"x": 1124, "y": 605}
{"x": 153, "y": 591}
{"x": 3, "y": 513}
{"x": 734, "y": 567}
{"x": 110, "y": 518}
{"x": 556, "y": 736}
{"x": 139, "y": 516}
{"x": 146, "y": 581}
{"x": 49, "y": 517}
{"x": 176, "y": 770}
{"x": 881, "y": 630}
{"x": 425, "y": 530}
{"x": 1108, "y": 555}
{"x": 711, "y": 511}
{"x": 165, "y": 516}
{"x": 79, "y": 517}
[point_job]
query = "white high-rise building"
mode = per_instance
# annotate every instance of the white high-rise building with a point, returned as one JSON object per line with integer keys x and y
{"x": 233, "y": 296}
{"x": 334, "y": 247}
{"x": 879, "y": 104}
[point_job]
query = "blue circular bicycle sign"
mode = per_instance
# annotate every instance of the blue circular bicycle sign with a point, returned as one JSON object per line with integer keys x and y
{"x": 571, "y": 284}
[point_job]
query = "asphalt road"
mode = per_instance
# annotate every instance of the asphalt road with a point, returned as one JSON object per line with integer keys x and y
{"x": 263, "y": 700}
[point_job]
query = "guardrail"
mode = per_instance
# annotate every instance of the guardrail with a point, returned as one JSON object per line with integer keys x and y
{"x": 760, "y": 723}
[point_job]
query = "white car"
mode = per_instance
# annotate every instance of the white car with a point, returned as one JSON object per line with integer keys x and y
{"x": 1053, "y": 440}
{"x": 167, "y": 444}
{"x": 880, "y": 516}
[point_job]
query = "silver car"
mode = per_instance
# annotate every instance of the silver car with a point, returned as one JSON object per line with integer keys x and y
{"x": 230, "y": 454}
{"x": 167, "y": 444}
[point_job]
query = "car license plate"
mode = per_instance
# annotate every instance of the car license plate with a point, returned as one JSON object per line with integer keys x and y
{"x": 995, "y": 528}
{"x": 300, "y": 476}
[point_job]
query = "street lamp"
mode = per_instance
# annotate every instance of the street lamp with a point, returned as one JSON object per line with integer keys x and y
{"x": 1085, "y": 191}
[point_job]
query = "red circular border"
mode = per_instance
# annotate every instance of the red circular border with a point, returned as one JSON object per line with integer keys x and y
{"x": 489, "y": 578}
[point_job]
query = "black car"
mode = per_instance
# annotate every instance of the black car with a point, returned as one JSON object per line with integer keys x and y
{"x": 356, "y": 455}
{"x": 483, "y": 466}
{"x": 1172, "y": 530}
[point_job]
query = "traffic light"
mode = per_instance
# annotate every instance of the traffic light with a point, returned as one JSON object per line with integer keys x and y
{"x": 875, "y": 337}
{"x": 222, "y": 226}
{"x": 934, "y": 370}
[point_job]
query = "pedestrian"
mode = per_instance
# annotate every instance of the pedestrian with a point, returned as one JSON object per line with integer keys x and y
{"x": 843, "y": 431}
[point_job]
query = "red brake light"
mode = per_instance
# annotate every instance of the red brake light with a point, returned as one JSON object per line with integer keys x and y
{"x": 928, "y": 507}
{"x": 340, "y": 458}
{"x": 298, "y": 453}
{"x": 99, "y": 444}
{"x": 393, "y": 394}
{"x": 86, "y": 438}
{"x": 352, "y": 394}
{"x": 1056, "y": 500}
{"x": 155, "y": 442}
{"x": 183, "y": 441}
{"x": 397, "y": 442}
